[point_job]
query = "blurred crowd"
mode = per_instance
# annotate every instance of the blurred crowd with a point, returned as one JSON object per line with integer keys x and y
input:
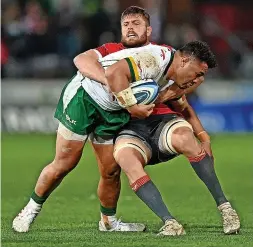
{"x": 41, "y": 37}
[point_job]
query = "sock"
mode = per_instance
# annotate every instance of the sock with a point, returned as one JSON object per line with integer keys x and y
{"x": 107, "y": 211}
{"x": 38, "y": 199}
{"x": 204, "y": 167}
{"x": 108, "y": 216}
{"x": 149, "y": 194}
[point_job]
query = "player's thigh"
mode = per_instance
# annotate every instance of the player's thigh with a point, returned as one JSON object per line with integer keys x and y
{"x": 184, "y": 141}
{"x": 177, "y": 137}
{"x": 77, "y": 118}
{"x": 103, "y": 149}
{"x": 130, "y": 151}
{"x": 69, "y": 147}
{"x": 132, "y": 155}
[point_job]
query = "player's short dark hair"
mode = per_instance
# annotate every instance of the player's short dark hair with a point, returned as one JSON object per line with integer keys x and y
{"x": 136, "y": 10}
{"x": 200, "y": 50}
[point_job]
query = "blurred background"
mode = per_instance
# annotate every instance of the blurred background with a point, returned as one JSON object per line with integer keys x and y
{"x": 41, "y": 37}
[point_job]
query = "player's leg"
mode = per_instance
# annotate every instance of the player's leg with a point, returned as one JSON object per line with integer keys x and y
{"x": 179, "y": 138}
{"x": 75, "y": 112}
{"x": 132, "y": 155}
{"x": 109, "y": 188}
{"x": 184, "y": 141}
{"x": 67, "y": 156}
{"x": 109, "y": 183}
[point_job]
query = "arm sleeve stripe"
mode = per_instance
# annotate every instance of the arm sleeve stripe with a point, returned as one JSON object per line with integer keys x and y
{"x": 133, "y": 69}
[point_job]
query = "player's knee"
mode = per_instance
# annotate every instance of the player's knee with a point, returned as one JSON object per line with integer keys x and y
{"x": 63, "y": 165}
{"x": 53, "y": 172}
{"x": 184, "y": 141}
{"x": 110, "y": 171}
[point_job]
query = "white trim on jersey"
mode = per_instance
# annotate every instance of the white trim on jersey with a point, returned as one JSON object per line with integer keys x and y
{"x": 98, "y": 53}
{"x": 71, "y": 89}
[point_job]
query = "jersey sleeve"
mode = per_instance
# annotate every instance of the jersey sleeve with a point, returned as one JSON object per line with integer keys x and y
{"x": 108, "y": 48}
{"x": 143, "y": 65}
{"x": 101, "y": 51}
{"x": 150, "y": 64}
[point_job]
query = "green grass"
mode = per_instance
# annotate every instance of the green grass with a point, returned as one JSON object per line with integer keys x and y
{"x": 70, "y": 216}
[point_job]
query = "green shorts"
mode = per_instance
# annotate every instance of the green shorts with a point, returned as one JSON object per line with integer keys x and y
{"x": 78, "y": 112}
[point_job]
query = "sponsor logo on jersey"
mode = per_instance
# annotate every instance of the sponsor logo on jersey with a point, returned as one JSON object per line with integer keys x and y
{"x": 70, "y": 120}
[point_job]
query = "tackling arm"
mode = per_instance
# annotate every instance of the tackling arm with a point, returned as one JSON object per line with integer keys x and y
{"x": 88, "y": 65}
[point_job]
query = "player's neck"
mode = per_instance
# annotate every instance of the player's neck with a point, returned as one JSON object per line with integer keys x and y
{"x": 170, "y": 73}
{"x": 171, "y": 70}
{"x": 125, "y": 47}
{"x": 147, "y": 43}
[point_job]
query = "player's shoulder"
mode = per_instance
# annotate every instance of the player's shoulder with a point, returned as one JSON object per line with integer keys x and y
{"x": 109, "y": 48}
{"x": 170, "y": 48}
{"x": 113, "y": 47}
{"x": 162, "y": 52}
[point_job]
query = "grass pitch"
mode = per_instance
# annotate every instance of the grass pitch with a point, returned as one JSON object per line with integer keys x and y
{"x": 70, "y": 216}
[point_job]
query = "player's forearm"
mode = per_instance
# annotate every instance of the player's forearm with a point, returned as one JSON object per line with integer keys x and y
{"x": 118, "y": 79}
{"x": 88, "y": 65}
{"x": 199, "y": 131}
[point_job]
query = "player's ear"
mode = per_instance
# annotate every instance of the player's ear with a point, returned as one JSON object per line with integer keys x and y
{"x": 149, "y": 31}
{"x": 184, "y": 60}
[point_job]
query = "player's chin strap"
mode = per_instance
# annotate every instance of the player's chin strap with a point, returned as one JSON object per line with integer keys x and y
{"x": 126, "y": 98}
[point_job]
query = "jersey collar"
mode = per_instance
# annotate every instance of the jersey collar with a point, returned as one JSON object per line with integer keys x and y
{"x": 170, "y": 62}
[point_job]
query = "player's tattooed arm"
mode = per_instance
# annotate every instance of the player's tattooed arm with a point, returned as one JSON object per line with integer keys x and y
{"x": 88, "y": 65}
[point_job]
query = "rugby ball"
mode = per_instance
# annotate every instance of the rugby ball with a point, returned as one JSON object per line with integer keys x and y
{"x": 145, "y": 91}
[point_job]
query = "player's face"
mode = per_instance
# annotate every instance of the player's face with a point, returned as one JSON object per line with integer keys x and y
{"x": 134, "y": 31}
{"x": 190, "y": 72}
{"x": 197, "y": 83}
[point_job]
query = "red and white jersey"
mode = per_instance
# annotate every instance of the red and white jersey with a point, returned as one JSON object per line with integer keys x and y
{"x": 148, "y": 62}
{"x": 108, "y": 48}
